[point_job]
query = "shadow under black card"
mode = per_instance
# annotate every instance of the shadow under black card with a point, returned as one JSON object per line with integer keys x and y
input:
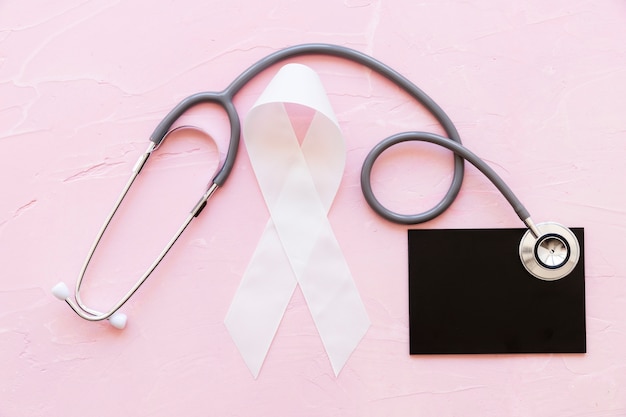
{"x": 469, "y": 293}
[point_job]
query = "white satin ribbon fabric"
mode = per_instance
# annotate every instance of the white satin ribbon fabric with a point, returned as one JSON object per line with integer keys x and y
{"x": 298, "y": 245}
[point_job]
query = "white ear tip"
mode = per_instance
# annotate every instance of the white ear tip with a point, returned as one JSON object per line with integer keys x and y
{"x": 61, "y": 291}
{"x": 118, "y": 320}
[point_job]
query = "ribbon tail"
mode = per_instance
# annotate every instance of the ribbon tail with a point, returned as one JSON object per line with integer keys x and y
{"x": 261, "y": 300}
{"x": 332, "y": 296}
{"x": 342, "y": 324}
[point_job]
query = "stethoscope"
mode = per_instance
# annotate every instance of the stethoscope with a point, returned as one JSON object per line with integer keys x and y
{"x": 548, "y": 251}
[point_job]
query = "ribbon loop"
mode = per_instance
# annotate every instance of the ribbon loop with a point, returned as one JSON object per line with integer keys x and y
{"x": 298, "y": 246}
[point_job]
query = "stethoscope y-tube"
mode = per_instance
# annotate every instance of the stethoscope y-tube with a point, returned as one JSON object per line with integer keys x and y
{"x": 548, "y": 251}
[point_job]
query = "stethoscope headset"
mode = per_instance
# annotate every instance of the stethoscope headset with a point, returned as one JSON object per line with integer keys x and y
{"x": 548, "y": 251}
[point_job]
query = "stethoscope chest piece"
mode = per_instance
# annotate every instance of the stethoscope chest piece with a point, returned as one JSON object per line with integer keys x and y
{"x": 551, "y": 256}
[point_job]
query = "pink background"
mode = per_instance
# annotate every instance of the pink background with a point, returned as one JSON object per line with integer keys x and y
{"x": 537, "y": 88}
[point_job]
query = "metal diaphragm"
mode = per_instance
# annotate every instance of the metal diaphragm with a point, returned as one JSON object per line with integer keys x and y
{"x": 553, "y": 255}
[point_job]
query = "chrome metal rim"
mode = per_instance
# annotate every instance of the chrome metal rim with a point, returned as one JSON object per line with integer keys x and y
{"x": 553, "y": 255}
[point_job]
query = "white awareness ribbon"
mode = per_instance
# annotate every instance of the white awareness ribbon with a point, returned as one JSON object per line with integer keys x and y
{"x": 298, "y": 245}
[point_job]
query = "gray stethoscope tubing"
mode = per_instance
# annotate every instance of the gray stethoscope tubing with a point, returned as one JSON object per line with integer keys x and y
{"x": 532, "y": 240}
{"x": 458, "y": 149}
{"x": 225, "y": 99}
{"x": 453, "y": 142}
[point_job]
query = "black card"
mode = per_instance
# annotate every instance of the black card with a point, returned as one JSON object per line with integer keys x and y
{"x": 470, "y": 293}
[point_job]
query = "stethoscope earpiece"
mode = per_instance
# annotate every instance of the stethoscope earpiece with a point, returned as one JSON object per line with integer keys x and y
{"x": 118, "y": 320}
{"x": 60, "y": 291}
{"x": 551, "y": 255}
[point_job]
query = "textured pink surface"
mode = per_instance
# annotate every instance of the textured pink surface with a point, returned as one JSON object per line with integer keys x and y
{"x": 537, "y": 88}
